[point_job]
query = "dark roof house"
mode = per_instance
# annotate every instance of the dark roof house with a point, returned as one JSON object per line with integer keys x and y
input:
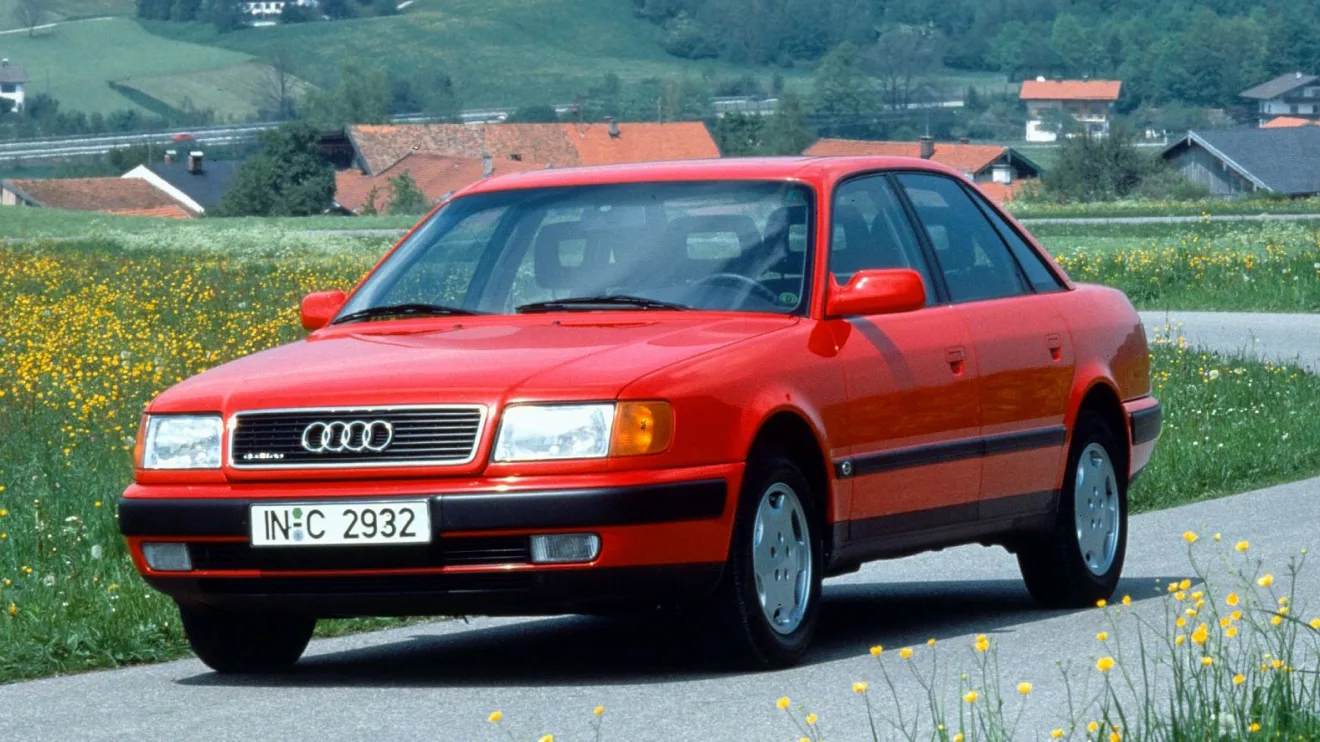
{"x": 13, "y": 74}
{"x": 1294, "y": 94}
{"x": 195, "y": 182}
{"x": 1232, "y": 162}
{"x": 995, "y": 168}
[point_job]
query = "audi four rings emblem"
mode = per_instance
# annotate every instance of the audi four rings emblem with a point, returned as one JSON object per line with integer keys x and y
{"x": 337, "y": 436}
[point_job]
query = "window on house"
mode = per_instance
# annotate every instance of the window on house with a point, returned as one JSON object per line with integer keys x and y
{"x": 8, "y": 88}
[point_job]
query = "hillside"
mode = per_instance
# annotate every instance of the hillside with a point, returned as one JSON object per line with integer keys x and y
{"x": 499, "y": 52}
{"x": 63, "y": 9}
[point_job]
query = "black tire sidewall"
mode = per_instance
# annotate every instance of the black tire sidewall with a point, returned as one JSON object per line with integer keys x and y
{"x": 769, "y": 648}
{"x": 1091, "y": 428}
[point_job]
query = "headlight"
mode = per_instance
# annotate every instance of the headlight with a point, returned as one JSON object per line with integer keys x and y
{"x": 182, "y": 442}
{"x": 546, "y": 432}
{"x": 584, "y": 431}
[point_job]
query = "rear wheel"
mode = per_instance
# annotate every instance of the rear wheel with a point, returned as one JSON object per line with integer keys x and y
{"x": 246, "y": 642}
{"x": 768, "y": 601}
{"x": 1079, "y": 562}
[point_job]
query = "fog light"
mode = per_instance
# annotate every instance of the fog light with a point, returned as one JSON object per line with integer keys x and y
{"x": 167, "y": 557}
{"x": 565, "y": 547}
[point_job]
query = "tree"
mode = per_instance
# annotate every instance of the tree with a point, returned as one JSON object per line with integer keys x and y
{"x": 405, "y": 197}
{"x": 900, "y": 57}
{"x": 841, "y": 91}
{"x": 1096, "y": 168}
{"x": 29, "y": 14}
{"x": 536, "y": 114}
{"x": 362, "y": 97}
{"x": 288, "y": 177}
{"x": 1059, "y": 122}
{"x": 786, "y": 132}
{"x": 281, "y": 87}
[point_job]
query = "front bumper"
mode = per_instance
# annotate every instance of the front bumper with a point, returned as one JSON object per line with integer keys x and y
{"x": 661, "y": 542}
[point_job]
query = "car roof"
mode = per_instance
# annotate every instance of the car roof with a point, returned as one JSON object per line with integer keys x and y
{"x": 814, "y": 170}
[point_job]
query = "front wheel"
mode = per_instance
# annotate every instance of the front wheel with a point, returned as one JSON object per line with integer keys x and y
{"x": 1079, "y": 562}
{"x": 768, "y": 601}
{"x": 245, "y": 643}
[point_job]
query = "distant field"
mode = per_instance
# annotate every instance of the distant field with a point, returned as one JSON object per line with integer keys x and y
{"x": 501, "y": 52}
{"x": 74, "y": 61}
{"x": 236, "y": 91}
{"x": 61, "y": 9}
{"x": 25, "y": 223}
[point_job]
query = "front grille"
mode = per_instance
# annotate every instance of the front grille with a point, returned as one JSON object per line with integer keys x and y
{"x": 418, "y": 436}
{"x": 368, "y": 585}
{"x": 444, "y": 552}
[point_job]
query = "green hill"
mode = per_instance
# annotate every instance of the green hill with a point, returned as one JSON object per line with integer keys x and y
{"x": 500, "y": 52}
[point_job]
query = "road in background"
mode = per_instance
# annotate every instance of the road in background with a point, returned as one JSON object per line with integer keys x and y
{"x": 1284, "y": 338}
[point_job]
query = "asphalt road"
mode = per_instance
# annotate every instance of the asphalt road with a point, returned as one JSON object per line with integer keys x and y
{"x": 1290, "y": 338}
{"x": 439, "y": 681}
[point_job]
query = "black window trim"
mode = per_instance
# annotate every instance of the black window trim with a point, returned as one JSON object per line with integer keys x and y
{"x": 986, "y": 210}
{"x": 924, "y": 236}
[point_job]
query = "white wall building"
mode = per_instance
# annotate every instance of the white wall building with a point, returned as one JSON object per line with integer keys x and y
{"x": 13, "y": 79}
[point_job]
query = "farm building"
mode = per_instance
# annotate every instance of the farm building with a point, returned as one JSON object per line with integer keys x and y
{"x": 997, "y": 170}
{"x": 1235, "y": 162}
{"x": 1089, "y": 102}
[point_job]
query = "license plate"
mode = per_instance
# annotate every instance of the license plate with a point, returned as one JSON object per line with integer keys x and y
{"x": 341, "y": 524}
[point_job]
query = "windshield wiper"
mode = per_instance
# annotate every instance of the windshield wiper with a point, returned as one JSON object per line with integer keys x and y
{"x": 592, "y": 302}
{"x": 401, "y": 310}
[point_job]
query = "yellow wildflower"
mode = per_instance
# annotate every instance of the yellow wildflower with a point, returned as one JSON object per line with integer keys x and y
{"x": 1232, "y": 599}
{"x": 1236, "y": 615}
{"x": 1178, "y": 640}
{"x": 1276, "y": 619}
{"x": 1231, "y": 632}
{"x": 930, "y": 642}
{"x": 1266, "y": 580}
{"x": 1242, "y": 545}
{"x": 1180, "y": 622}
{"x": 1190, "y": 537}
{"x": 1093, "y": 727}
{"x": 1104, "y": 664}
{"x": 1127, "y": 600}
{"x": 1207, "y": 661}
{"x": 13, "y": 609}
{"x": 1185, "y": 585}
{"x": 1180, "y": 595}
{"x": 1255, "y": 727}
{"x": 905, "y": 653}
{"x": 547, "y": 738}
{"x": 958, "y": 737}
{"x": 1315, "y": 623}
{"x": 812, "y": 719}
{"x": 982, "y": 643}
{"x": 1103, "y": 636}
{"x": 495, "y": 716}
{"x": 1056, "y": 733}
{"x": 598, "y": 710}
{"x": 859, "y": 686}
{"x": 1024, "y": 688}
{"x": 1100, "y": 603}
{"x": 1239, "y": 679}
{"x": 782, "y": 703}
{"x": 876, "y": 650}
{"x": 971, "y": 696}
{"x": 1200, "y": 634}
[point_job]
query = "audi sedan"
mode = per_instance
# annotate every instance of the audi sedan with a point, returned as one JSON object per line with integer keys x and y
{"x": 703, "y": 386}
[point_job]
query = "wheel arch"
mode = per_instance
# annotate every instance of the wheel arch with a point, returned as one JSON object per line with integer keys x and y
{"x": 793, "y": 432}
{"x": 1101, "y": 397}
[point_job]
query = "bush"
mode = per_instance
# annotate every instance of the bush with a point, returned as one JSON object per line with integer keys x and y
{"x": 1164, "y": 183}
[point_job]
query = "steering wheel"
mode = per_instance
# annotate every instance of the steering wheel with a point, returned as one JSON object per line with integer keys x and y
{"x": 747, "y": 286}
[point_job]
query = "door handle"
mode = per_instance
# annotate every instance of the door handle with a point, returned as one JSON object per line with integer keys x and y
{"x": 1054, "y": 344}
{"x": 956, "y": 358}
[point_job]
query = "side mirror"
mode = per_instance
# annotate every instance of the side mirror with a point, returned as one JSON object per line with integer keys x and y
{"x": 317, "y": 308}
{"x": 876, "y": 292}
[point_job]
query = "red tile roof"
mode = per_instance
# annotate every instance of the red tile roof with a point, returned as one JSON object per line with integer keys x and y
{"x": 1070, "y": 89}
{"x": 559, "y": 145}
{"x": 436, "y": 176}
{"x": 93, "y": 194}
{"x": 173, "y": 211}
{"x": 971, "y": 158}
{"x": 1000, "y": 193}
{"x": 1288, "y": 122}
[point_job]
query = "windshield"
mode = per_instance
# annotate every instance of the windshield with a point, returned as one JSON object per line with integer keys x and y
{"x": 731, "y": 246}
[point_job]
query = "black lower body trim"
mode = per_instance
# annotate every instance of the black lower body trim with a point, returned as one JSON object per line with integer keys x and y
{"x": 583, "y": 508}
{"x": 519, "y": 593}
{"x": 939, "y": 453}
{"x": 1146, "y": 424}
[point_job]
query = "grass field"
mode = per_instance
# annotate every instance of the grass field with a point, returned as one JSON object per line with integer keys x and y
{"x": 500, "y": 52}
{"x": 92, "y": 329}
{"x": 1028, "y": 210}
{"x": 237, "y": 91}
{"x": 60, "y": 10}
{"x": 74, "y": 61}
{"x": 56, "y": 223}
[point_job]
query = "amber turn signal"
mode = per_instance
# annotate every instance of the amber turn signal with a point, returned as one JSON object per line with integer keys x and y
{"x": 642, "y": 428}
{"x": 140, "y": 443}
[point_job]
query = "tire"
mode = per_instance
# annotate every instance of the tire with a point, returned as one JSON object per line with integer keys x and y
{"x": 1078, "y": 564}
{"x": 776, "y": 495}
{"x": 246, "y": 643}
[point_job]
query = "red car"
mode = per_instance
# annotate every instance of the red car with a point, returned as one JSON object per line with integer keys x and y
{"x": 698, "y": 385}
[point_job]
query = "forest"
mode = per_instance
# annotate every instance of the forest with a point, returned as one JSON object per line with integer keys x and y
{"x": 1166, "y": 51}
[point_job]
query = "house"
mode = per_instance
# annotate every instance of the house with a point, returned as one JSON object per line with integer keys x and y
{"x": 998, "y": 170}
{"x": 1285, "y": 122}
{"x": 1090, "y": 102}
{"x": 1234, "y": 162}
{"x": 195, "y": 183}
{"x": 1293, "y": 94}
{"x": 106, "y": 195}
{"x": 436, "y": 176}
{"x": 13, "y": 78}
{"x": 378, "y": 147}
{"x": 265, "y": 8}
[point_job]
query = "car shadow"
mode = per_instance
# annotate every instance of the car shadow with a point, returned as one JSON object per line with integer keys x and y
{"x": 655, "y": 648}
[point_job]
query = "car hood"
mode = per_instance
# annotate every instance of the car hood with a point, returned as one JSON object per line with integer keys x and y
{"x": 483, "y": 360}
